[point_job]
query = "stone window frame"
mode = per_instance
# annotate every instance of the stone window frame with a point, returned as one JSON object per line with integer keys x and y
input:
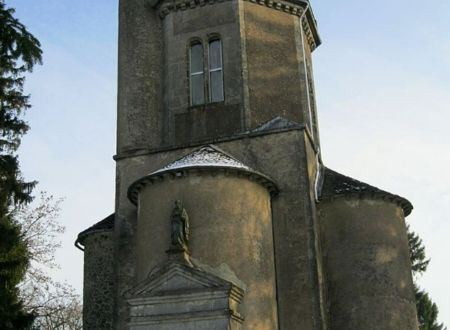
{"x": 207, "y": 94}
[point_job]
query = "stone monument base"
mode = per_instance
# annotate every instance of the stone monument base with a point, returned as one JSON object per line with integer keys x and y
{"x": 180, "y": 296}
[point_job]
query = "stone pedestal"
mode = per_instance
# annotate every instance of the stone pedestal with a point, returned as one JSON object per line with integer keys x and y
{"x": 180, "y": 296}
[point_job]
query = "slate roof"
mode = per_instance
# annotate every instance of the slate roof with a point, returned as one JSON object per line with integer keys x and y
{"x": 276, "y": 124}
{"x": 205, "y": 156}
{"x": 335, "y": 185}
{"x": 105, "y": 224}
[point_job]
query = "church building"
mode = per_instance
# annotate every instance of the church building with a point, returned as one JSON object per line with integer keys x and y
{"x": 225, "y": 215}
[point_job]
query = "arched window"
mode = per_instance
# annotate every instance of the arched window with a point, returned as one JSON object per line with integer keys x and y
{"x": 215, "y": 71}
{"x": 196, "y": 74}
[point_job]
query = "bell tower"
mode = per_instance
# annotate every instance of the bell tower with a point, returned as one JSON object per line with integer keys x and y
{"x": 198, "y": 70}
{"x": 217, "y": 114}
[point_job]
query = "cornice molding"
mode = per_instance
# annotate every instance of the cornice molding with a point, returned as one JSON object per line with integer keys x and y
{"x": 245, "y": 135}
{"x": 176, "y": 5}
{"x": 135, "y": 188}
{"x": 312, "y": 41}
{"x": 308, "y": 22}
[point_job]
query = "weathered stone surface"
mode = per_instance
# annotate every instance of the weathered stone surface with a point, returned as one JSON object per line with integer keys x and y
{"x": 230, "y": 221}
{"x": 99, "y": 284}
{"x": 366, "y": 258}
{"x": 139, "y": 101}
{"x": 274, "y": 79}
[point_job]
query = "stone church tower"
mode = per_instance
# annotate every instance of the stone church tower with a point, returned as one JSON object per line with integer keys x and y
{"x": 226, "y": 217}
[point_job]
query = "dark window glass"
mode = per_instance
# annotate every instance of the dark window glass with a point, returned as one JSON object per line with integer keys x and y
{"x": 196, "y": 58}
{"x": 215, "y": 71}
{"x": 197, "y": 90}
{"x": 215, "y": 55}
{"x": 216, "y": 83}
{"x": 196, "y": 74}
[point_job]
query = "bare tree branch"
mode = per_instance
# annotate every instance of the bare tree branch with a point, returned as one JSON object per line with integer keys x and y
{"x": 55, "y": 305}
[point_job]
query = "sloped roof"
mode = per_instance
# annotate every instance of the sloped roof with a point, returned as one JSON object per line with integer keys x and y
{"x": 276, "y": 124}
{"x": 335, "y": 185}
{"x": 105, "y": 224}
{"x": 206, "y": 158}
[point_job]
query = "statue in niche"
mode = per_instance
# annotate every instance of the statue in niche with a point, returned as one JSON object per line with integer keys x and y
{"x": 180, "y": 228}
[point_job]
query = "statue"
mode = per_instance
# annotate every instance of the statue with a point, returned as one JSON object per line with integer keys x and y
{"x": 180, "y": 228}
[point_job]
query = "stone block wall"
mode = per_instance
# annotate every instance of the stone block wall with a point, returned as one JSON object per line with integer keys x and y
{"x": 98, "y": 292}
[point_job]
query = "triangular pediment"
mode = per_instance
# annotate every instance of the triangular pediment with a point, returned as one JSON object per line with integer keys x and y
{"x": 176, "y": 277}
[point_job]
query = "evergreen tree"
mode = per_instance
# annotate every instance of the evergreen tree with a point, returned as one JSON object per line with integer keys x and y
{"x": 419, "y": 261}
{"x": 427, "y": 311}
{"x": 13, "y": 264}
{"x": 19, "y": 52}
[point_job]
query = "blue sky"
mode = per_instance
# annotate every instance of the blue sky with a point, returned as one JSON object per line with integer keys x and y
{"x": 382, "y": 80}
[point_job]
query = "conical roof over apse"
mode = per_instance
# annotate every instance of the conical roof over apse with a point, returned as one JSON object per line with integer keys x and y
{"x": 335, "y": 185}
{"x": 206, "y": 158}
{"x": 106, "y": 224}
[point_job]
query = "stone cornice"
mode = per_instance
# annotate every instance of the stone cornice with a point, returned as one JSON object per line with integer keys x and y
{"x": 252, "y": 175}
{"x": 245, "y": 135}
{"x": 311, "y": 32}
{"x": 291, "y": 7}
{"x": 175, "y": 5}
